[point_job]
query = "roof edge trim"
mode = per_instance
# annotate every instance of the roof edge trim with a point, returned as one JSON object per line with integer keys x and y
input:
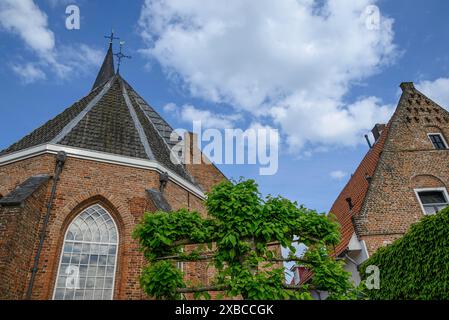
{"x": 100, "y": 157}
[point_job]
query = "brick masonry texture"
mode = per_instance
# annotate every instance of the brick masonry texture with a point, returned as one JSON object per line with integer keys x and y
{"x": 404, "y": 160}
{"x": 120, "y": 189}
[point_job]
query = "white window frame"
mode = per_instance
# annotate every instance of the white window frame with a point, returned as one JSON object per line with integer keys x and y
{"x": 442, "y": 138}
{"x": 296, "y": 276}
{"x": 64, "y": 241}
{"x": 417, "y": 191}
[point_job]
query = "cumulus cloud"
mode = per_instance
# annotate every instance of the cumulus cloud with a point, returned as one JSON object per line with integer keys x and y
{"x": 338, "y": 175}
{"x": 26, "y": 20}
{"x": 28, "y": 73}
{"x": 189, "y": 113}
{"x": 55, "y": 3}
{"x": 437, "y": 90}
{"x": 293, "y": 60}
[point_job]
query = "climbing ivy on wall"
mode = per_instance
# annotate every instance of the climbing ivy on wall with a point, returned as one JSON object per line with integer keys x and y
{"x": 415, "y": 267}
{"x": 237, "y": 238}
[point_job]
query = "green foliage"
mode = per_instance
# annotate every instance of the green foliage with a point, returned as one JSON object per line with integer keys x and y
{"x": 241, "y": 225}
{"x": 162, "y": 279}
{"x": 415, "y": 267}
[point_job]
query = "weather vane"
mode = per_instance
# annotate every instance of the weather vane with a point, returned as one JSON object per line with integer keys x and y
{"x": 120, "y": 56}
{"x": 111, "y": 37}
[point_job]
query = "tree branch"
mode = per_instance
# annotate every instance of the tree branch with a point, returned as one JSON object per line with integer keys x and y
{"x": 184, "y": 242}
{"x": 202, "y": 289}
{"x": 287, "y": 260}
{"x": 186, "y": 259}
{"x": 224, "y": 287}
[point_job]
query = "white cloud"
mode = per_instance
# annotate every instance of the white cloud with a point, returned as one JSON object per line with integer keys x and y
{"x": 55, "y": 3}
{"x": 338, "y": 174}
{"x": 189, "y": 113}
{"x": 25, "y": 19}
{"x": 29, "y": 73}
{"x": 437, "y": 90}
{"x": 170, "y": 107}
{"x": 208, "y": 119}
{"x": 78, "y": 59}
{"x": 294, "y": 60}
{"x": 328, "y": 122}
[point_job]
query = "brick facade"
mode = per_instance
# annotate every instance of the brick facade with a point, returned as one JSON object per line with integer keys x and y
{"x": 408, "y": 161}
{"x": 119, "y": 189}
{"x": 382, "y": 191}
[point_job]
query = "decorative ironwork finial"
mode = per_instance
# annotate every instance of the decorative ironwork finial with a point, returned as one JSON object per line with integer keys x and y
{"x": 121, "y": 56}
{"x": 111, "y": 37}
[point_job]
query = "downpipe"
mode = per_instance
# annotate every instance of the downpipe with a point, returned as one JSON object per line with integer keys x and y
{"x": 60, "y": 161}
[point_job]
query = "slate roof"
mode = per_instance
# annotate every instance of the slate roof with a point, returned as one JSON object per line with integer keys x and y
{"x": 24, "y": 190}
{"x": 113, "y": 118}
{"x": 106, "y": 70}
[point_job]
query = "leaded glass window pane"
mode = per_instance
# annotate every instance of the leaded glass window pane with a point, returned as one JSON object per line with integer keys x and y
{"x": 433, "y": 201}
{"x": 88, "y": 258}
{"x": 437, "y": 141}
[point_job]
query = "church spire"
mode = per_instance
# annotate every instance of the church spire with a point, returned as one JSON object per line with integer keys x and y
{"x": 107, "y": 69}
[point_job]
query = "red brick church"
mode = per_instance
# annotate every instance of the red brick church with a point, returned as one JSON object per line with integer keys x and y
{"x": 73, "y": 190}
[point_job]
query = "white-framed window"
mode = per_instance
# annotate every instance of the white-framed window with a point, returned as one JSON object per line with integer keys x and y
{"x": 438, "y": 141}
{"x": 88, "y": 258}
{"x": 432, "y": 200}
{"x": 296, "y": 276}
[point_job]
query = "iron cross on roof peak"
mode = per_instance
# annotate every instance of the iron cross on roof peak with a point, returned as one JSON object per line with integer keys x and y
{"x": 111, "y": 37}
{"x": 121, "y": 56}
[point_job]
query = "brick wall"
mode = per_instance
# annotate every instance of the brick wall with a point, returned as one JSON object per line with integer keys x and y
{"x": 205, "y": 173}
{"x": 18, "y": 235}
{"x": 408, "y": 161}
{"x": 120, "y": 189}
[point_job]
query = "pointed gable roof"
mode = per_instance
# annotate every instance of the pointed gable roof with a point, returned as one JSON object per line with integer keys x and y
{"x": 413, "y": 106}
{"x": 113, "y": 118}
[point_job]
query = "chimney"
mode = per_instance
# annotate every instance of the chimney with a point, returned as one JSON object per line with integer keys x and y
{"x": 407, "y": 86}
{"x": 377, "y": 130}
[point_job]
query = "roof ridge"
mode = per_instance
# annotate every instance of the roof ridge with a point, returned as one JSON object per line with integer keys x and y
{"x": 137, "y": 95}
{"x": 164, "y": 141}
{"x": 45, "y": 132}
{"x": 137, "y": 124}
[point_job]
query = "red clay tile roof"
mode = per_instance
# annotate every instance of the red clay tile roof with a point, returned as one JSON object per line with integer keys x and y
{"x": 356, "y": 189}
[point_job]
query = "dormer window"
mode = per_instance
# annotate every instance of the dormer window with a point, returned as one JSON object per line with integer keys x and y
{"x": 432, "y": 200}
{"x": 438, "y": 141}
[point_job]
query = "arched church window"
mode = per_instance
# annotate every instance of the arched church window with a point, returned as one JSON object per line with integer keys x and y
{"x": 89, "y": 257}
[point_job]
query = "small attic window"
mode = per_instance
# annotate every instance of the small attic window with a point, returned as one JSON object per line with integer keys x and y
{"x": 432, "y": 200}
{"x": 438, "y": 141}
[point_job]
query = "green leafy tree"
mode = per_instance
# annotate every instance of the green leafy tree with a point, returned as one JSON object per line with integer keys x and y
{"x": 239, "y": 238}
{"x": 416, "y": 266}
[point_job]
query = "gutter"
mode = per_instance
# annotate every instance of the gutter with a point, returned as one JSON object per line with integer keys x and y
{"x": 60, "y": 160}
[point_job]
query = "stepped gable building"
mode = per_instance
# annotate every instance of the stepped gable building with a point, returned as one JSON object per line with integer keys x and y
{"x": 72, "y": 192}
{"x": 403, "y": 177}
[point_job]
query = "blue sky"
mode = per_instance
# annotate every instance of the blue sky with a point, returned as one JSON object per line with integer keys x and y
{"x": 312, "y": 70}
